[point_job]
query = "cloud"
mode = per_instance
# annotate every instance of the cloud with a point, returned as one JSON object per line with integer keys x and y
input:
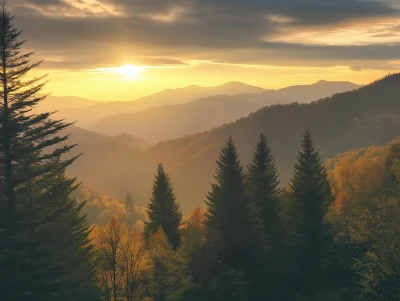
{"x": 355, "y": 68}
{"x": 94, "y": 33}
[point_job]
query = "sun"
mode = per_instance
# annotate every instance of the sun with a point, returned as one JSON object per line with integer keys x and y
{"x": 129, "y": 70}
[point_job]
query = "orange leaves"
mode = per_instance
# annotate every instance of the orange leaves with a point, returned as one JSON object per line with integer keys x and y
{"x": 357, "y": 175}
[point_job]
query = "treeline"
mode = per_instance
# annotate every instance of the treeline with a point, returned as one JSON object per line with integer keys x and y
{"x": 327, "y": 236}
{"x": 255, "y": 241}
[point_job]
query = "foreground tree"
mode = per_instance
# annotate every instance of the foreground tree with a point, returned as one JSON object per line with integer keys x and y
{"x": 163, "y": 210}
{"x": 366, "y": 224}
{"x": 212, "y": 279}
{"x": 122, "y": 261}
{"x": 45, "y": 252}
{"x": 263, "y": 187}
{"x": 232, "y": 219}
{"x": 264, "y": 191}
{"x": 310, "y": 196}
{"x": 170, "y": 276}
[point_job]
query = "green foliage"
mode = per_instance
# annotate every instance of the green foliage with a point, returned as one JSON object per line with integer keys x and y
{"x": 171, "y": 279}
{"x": 310, "y": 198}
{"x": 163, "y": 210}
{"x": 45, "y": 251}
{"x": 231, "y": 217}
{"x": 264, "y": 191}
{"x": 212, "y": 279}
{"x": 369, "y": 231}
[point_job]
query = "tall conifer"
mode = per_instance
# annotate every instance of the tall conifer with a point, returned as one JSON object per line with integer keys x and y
{"x": 310, "y": 196}
{"x": 163, "y": 210}
{"x": 263, "y": 187}
{"x": 45, "y": 252}
{"x": 232, "y": 219}
{"x": 264, "y": 191}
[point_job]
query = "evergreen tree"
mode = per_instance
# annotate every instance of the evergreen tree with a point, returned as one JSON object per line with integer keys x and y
{"x": 264, "y": 191}
{"x": 163, "y": 210}
{"x": 310, "y": 197}
{"x": 263, "y": 187}
{"x": 45, "y": 253}
{"x": 232, "y": 218}
{"x": 128, "y": 201}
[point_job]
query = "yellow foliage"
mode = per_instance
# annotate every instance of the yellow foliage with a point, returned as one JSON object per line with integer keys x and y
{"x": 122, "y": 259}
{"x": 356, "y": 175}
{"x": 196, "y": 217}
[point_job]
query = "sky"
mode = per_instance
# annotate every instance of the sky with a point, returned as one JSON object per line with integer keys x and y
{"x": 177, "y": 43}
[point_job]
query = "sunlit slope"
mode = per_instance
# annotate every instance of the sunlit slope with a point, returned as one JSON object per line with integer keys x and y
{"x": 366, "y": 116}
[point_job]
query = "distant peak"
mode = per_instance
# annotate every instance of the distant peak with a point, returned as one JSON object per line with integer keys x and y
{"x": 123, "y": 135}
{"x": 333, "y": 82}
{"x": 230, "y": 84}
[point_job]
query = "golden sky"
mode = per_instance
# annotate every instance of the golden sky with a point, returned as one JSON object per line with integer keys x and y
{"x": 176, "y": 43}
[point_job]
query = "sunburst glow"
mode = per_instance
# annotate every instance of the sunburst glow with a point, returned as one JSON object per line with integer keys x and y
{"x": 129, "y": 70}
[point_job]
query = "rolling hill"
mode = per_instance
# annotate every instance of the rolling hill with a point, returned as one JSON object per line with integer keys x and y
{"x": 80, "y": 136}
{"x": 56, "y": 103}
{"x": 88, "y": 116}
{"x": 366, "y": 116}
{"x": 174, "y": 121}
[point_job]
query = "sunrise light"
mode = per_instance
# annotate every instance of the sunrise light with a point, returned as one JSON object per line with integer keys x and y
{"x": 129, "y": 70}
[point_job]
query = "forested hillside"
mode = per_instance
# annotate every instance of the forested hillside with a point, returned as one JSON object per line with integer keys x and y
{"x": 368, "y": 115}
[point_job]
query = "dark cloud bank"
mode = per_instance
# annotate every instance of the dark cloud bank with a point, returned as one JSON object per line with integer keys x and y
{"x": 228, "y": 31}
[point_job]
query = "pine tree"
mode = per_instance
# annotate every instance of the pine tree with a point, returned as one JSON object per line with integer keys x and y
{"x": 232, "y": 218}
{"x": 45, "y": 253}
{"x": 70, "y": 234}
{"x": 310, "y": 196}
{"x": 163, "y": 210}
{"x": 264, "y": 191}
{"x": 263, "y": 187}
{"x": 128, "y": 201}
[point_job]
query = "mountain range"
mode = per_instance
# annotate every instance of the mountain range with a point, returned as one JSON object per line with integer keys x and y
{"x": 174, "y": 121}
{"x": 87, "y": 116}
{"x": 359, "y": 118}
{"x": 179, "y": 112}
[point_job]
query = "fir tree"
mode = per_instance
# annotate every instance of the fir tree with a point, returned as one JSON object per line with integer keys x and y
{"x": 310, "y": 197}
{"x": 232, "y": 218}
{"x": 45, "y": 253}
{"x": 263, "y": 187}
{"x": 264, "y": 191}
{"x": 128, "y": 201}
{"x": 163, "y": 210}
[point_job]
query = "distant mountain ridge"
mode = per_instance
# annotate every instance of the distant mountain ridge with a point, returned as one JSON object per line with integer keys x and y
{"x": 359, "y": 118}
{"x": 308, "y": 93}
{"x": 79, "y": 135}
{"x": 174, "y": 121}
{"x": 87, "y": 115}
{"x": 54, "y": 103}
